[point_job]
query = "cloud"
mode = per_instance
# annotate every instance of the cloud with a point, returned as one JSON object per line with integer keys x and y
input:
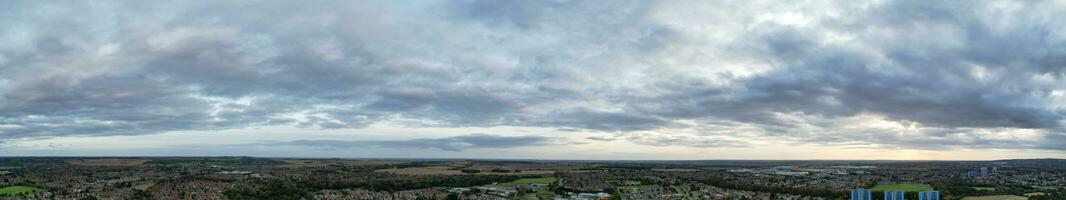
{"x": 674, "y": 140}
{"x": 659, "y": 139}
{"x": 600, "y": 138}
{"x": 199, "y": 67}
{"x": 454, "y": 143}
{"x": 893, "y": 74}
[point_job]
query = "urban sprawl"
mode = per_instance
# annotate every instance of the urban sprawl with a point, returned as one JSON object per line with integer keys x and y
{"x": 294, "y": 178}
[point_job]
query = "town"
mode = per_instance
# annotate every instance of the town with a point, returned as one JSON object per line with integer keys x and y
{"x": 298, "y": 178}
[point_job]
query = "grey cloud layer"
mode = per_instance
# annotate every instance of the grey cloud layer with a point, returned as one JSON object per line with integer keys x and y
{"x": 961, "y": 72}
{"x": 456, "y": 143}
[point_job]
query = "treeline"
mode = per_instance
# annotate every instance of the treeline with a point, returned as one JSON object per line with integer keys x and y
{"x": 225, "y": 161}
{"x": 280, "y": 190}
{"x": 283, "y": 189}
{"x": 961, "y": 189}
{"x": 629, "y": 167}
{"x": 816, "y": 192}
{"x": 142, "y": 195}
{"x": 16, "y": 194}
{"x": 412, "y": 183}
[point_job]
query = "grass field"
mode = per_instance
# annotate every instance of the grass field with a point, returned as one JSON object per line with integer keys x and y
{"x": 545, "y": 180}
{"x": 542, "y": 192}
{"x": 16, "y": 190}
{"x": 904, "y": 187}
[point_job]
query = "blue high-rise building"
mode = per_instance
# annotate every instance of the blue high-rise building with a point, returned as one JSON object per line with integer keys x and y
{"x": 893, "y": 195}
{"x": 929, "y": 195}
{"x": 984, "y": 172}
{"x": 861, "y": 194}
{"x": 971, "y": 174}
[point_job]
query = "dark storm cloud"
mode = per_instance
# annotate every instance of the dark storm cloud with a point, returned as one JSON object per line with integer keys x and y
{"x": 955, "y": 69}
{"x": 456, "y": 143}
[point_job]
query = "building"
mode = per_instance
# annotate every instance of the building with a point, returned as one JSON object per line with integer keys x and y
{"x": 861, "y": 194}
{"x": 929, "y": 195}
{"x": 893, "y": 195}
{"x": 971, "y": 174}
{"x": 984, "y": 172}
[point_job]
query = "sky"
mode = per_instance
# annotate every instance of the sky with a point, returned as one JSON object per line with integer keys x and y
{"x": 552, "y": 79}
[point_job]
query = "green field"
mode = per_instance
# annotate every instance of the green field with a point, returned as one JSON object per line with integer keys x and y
{"x": 904, "y": 187}
{"x": 18, "y": 190}
{"x": 543, "y": 192}
{"x": 545, "y": 180}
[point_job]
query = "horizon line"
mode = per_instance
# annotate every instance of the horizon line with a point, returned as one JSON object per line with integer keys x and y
{"x": 527, "y": 159}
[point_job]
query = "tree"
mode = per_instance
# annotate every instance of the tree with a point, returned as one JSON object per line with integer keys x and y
{"x": 452, "y": 196}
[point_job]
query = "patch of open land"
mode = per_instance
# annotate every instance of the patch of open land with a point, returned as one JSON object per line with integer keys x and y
{"x": 903, "y": 187}
{"x": 321, "y": 163}
{"x": 675, "y": 170}
{"x": 434, "y": 170}
{"x": 543, "y": 180}
{"x": 446, "y": 170}
{"x": 144, "y": 186}
{"x": 997, "y": 197}
{"x": 19, "y": 190}
{"x": 1031, "y": 194}
{"x": 106, "y": 162}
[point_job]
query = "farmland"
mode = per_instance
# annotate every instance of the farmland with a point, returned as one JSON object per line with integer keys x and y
{"x": 439, "y": 179}
{"x": 107, "y": 162}
{"x": 544, "y": 180}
